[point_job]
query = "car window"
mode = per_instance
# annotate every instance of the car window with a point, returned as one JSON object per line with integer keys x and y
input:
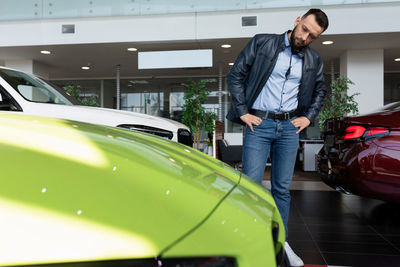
{"x": 34, "y": 89}
{"x": 7, "y": 103}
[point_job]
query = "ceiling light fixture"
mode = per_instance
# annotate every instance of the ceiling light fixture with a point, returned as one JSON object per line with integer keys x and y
{"x": 397, "y": 59}
{"x": 85, "y": 68}
{"x": 139, "y": 82}
{"x": 45, "y": 52}
{"x": 327, "y": 42}
{"x": 131, "y": 49}
{"x": 226, "y": 46}
{"x": 231, "y": 64}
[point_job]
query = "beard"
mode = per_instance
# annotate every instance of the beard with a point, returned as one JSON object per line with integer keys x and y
{"x": 295, "y": 47}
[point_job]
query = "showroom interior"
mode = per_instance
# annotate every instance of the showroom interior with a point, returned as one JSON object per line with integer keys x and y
{"x": 96, "y": 45}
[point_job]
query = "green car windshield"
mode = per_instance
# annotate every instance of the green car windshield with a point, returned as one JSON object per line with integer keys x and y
{"x": 34, "y": 89}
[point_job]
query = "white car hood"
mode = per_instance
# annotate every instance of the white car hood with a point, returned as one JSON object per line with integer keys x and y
{"x": 102, "y": 116}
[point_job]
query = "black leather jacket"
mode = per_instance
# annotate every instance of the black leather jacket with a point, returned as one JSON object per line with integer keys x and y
{"x": 253, "y": 67}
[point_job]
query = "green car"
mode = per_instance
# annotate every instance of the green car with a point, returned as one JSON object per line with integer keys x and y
{"x": 77, "y": 194}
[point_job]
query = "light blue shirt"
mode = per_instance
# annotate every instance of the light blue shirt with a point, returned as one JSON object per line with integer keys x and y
{"x": 280, "y": 93}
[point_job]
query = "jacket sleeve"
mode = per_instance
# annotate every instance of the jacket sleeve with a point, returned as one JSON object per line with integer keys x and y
{"x": 237, "y": 76}
{"x": 318, "y": 94}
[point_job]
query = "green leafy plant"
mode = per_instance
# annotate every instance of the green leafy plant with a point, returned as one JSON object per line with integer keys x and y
{"x": 194, "y": 114}
{"x": 338, "y": 103}
{"x": 75, "y": 91}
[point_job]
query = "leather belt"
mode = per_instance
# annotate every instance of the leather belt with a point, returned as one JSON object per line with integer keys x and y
{"x": 274, "y": 115}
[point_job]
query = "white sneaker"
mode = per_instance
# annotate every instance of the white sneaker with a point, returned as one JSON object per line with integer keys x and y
{"x": 294, "y": 260}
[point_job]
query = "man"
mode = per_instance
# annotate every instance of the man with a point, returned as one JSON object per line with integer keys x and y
{"x": 277, "y": 87}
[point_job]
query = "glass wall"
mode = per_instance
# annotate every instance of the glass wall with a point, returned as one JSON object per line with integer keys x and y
{"x": 162, "y": 97}
{"x": 88, "y": 88}
{"x": 50, "y": 9}
{"x": 147, "y": 103}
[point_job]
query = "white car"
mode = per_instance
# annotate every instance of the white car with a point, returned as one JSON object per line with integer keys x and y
{"x": 22, "y": 92}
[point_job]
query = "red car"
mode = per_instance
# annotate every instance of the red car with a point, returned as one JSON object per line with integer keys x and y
{"x": 361, "y": 154}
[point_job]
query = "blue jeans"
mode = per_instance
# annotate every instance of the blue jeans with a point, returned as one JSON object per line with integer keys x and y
{"x": 279, "y": 140}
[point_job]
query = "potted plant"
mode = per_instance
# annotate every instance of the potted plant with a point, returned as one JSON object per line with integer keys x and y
{"x": 337, "y": 102}
{"x": 194, "y": 114}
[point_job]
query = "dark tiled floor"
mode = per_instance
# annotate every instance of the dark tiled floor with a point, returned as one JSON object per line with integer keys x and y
{"x": 331, "y": 228}
{"x": 299, "y": 175}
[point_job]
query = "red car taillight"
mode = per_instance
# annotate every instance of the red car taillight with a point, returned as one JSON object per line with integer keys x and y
{"x": 356, "y": 132}
{"x": 377, "y": 131}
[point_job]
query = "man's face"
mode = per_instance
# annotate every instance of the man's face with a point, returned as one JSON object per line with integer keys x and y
{"x": 305, "y": 32}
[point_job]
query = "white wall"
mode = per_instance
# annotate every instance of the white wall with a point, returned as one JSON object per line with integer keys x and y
{"x": 344, "y": 19}
{"x": 365, "y": 69}
{"x": 23, "y": 65}
{"x": 29, "y": 66}
{"x": 41, "y": 70}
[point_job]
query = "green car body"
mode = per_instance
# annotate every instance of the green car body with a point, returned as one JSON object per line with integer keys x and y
{"x": 76, "y": 192}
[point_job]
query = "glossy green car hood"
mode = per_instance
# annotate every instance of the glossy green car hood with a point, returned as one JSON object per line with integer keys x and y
{"x": 75, "y": 191}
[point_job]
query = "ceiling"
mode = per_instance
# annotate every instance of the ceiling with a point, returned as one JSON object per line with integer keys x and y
{"x": 65, "y": 61}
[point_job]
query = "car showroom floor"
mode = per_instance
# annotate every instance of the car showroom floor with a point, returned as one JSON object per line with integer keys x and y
{"x": 330, "y": 228}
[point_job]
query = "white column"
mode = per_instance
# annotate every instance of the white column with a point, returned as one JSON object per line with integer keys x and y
{"x": 29, "y": 66}
{"x": 365, "y": 69}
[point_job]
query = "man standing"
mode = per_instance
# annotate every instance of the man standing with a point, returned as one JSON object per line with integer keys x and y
{"x": 277, "y": 88}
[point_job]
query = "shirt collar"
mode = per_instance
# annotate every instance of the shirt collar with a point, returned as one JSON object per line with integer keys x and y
{"x": 287, "y": 43}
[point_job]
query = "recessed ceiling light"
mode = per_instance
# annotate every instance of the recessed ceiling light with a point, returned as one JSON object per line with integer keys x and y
{"x": 327, "y": 42}
{"x": 139, "y": 82}
{"x": 226, "y": 46}
{"x": 85, "y": 68}
{"x": 131, "y": 49}
{"x": 397, "y": 59}
{"x": 231, "y": 64}
{"x": 45, "y": 52}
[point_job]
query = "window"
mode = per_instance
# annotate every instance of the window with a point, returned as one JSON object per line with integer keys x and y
{"x": 7, "y": 103}
{"x": 148, "y": 103}
{"x": 33, "y": 89}
{"x": 391, "y": 87}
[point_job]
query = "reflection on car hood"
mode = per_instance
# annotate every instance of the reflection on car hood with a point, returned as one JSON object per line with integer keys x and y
{"x": 91, "y": 192}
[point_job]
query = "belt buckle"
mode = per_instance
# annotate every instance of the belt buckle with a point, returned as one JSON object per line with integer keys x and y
{"x": 286, "y": 115}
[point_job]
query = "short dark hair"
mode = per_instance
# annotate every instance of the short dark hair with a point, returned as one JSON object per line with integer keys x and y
{"x": 320, "y": 17}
